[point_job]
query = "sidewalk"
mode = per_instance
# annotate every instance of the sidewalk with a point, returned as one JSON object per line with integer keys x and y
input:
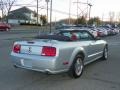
{"x": 17, "y": 36}
{"x": 24, "y": 27}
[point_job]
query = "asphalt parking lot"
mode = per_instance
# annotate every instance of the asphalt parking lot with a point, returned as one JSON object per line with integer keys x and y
{"x": 100, "y": 75}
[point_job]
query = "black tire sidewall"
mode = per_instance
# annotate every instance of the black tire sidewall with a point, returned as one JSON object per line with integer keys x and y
{"x": 104, "y": 51}
{"x": 72, "y": 72}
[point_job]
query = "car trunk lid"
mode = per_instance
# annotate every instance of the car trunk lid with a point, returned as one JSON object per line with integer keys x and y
{"x": 34, "y": 47}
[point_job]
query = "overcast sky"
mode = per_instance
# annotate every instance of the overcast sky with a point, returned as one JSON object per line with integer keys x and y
{"x": 100, "y": 8}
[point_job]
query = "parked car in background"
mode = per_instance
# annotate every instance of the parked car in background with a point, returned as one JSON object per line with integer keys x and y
{"x": 99, "y": 31}
{"x": 66, "y": 51}
{"x": 4, "y": 26}
{"x": 102, "y": 32}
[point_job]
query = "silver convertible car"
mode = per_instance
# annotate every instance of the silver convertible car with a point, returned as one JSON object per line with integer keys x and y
{"x": 65, "y": 51}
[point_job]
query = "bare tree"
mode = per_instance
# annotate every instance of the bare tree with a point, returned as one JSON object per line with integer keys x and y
{"x": 118, "y": 17}
{"x": 2, "y": 8}
{"x": 6, "y": 6}
{"x": 9, "y": 5}
{"x": 111, "y": 16}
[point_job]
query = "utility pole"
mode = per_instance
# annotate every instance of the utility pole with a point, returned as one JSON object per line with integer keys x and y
{"x": 77, "y": 11}
{"x": 87, "y": 11}
{"x": 90, "y": 5}
{"x": 47, "y": 1}
{"x": 69, "y": 11}
{"x": 37, "y": 12}
{"x": 50, "y": 16}
{"x": 102, "y": 18}
{"x": 55, "y": 20}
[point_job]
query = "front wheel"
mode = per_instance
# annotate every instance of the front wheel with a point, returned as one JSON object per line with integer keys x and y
{"x": 105, "y": 53}
{"x": 77, "y": 67}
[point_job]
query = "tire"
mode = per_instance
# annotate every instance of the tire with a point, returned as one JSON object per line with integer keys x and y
{"x": 77, "y": 67}
{"x": 15, "y": 66}
{"x": 7, "y": 29}
{"x": 105, "y": 53}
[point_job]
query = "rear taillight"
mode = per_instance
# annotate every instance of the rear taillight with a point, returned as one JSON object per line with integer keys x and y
{"x": 48, "y": 51}
{"x": 16, "y": 48}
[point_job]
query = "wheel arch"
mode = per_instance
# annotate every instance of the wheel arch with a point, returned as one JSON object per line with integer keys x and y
{"x": 72, "y": 71}
{"x": 75, "y": 53}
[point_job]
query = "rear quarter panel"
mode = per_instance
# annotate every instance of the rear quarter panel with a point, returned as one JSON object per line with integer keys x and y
{"x": 67, "y": 53}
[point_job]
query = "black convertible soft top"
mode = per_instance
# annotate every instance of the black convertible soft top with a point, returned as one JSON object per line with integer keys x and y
{"x": 54, "y": 37}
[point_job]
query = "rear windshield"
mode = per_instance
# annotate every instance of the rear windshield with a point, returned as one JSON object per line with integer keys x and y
{"x": 54, "y": 37}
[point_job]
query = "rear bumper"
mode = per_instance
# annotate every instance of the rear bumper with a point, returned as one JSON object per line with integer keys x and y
{"x": 48, "y": 71}
{"x": 36, "y": 64}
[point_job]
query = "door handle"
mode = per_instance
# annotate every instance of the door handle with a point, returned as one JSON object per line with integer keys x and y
{"x": 91, "y": 44}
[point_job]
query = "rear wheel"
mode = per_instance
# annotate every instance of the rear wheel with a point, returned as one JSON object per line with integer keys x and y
{"x": 77, "y": 67}
{"x": 15, "y": 66}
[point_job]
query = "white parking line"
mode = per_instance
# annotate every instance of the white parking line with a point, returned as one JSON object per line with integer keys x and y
{"x": 114, "y": 43}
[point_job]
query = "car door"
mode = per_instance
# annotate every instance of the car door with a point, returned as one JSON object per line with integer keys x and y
{"x": 93, "y": 47}
{"x": 96, "y": 48}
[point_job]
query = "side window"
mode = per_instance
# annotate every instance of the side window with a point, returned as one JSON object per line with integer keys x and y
{"x": 73, "y": 35}
{"x": 85, "y": 36}
{"x": 67, "y": 34}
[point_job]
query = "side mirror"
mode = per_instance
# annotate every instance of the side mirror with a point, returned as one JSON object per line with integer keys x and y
{"x": 97, "y": 38}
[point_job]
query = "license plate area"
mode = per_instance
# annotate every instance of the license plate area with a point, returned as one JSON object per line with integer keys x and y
{"x": 36, "y": 50}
